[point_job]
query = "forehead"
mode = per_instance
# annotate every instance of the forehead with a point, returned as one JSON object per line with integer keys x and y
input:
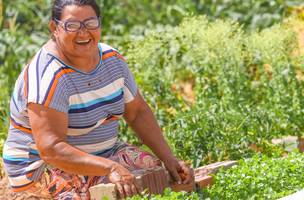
{"x": 74, "y": 12}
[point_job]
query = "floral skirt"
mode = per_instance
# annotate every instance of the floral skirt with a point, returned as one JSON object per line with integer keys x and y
{"x": 57, "y": 184}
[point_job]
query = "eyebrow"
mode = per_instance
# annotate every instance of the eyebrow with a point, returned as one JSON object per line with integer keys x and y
{"x": 72, "y": 19}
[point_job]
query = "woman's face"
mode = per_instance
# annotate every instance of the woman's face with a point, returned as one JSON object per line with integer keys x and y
{"x": 83, "y": 42}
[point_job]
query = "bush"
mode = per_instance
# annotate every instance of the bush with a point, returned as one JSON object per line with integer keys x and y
{"x": 259, "y": 177}
{"x": 253, "y": 14}
{"x": 245, "y": 86}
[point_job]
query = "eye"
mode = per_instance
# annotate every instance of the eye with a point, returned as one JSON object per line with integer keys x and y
{"x": 72, "y": 26}
{"x": 92, "y": 23}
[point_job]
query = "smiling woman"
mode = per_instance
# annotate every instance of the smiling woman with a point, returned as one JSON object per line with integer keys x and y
{"x": 65, "y": 110}
{"x": 76, "y": 37}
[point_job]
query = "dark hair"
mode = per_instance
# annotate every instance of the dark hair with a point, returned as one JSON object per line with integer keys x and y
{"x": 58, "y": 6}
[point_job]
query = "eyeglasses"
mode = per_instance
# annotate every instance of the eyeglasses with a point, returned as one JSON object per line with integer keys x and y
{"x": 74, "y": 25}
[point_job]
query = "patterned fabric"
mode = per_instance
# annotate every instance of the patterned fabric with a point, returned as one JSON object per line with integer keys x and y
{"x": 60, "y": 185}
{"x": 92, "y": 101}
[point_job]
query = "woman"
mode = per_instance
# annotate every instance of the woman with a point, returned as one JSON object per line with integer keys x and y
{"x": 64, "y": 111}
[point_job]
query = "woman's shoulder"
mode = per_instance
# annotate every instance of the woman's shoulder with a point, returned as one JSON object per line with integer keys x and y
{"x": 107, "y": 48}
{"x": 38, "y": 61}
{"x": 108, "y": 52}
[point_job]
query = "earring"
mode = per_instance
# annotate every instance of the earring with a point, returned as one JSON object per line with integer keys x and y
{"x": 53, "y": 37}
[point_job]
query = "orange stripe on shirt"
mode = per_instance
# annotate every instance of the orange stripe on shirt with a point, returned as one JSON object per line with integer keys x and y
{"x": 54, "y": 85}
{"x": 21, "y": 128}
{"x": 113, "y": 118}
{"x": 20, "y": 189}
{"x": 111, "y": 54}
{"x": 29, "y": 175}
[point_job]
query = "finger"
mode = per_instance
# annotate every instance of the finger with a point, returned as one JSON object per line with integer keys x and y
{"x": 179, "y": 166}
{"x": 188, "y": 177}
{"x": 187, "y": 174}
{"x": 175, "y": 176}
{"x": 127, "y": 190}
{"x": 134, "y": 189}
{"x": 120, "y": 190}
{"x": 139, "y": 184}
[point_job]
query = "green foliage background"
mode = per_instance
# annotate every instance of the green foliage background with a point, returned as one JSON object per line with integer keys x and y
{"x": 242, "y": 64}
{"x": 246, "y": 86}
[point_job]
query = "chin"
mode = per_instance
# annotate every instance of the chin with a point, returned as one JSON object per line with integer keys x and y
{"x": 85, "y": 49}
{"x": 83, "y": 53}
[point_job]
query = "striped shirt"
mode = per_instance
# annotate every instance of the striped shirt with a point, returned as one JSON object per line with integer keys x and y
{"x": 92, "y": 101}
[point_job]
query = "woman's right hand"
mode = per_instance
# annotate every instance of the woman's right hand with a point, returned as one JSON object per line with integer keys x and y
{"x": 124, "y": 181}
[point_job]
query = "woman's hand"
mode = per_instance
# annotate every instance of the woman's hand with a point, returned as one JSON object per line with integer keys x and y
{"x": 180, "y": 172}
{"x": 124, "y": 181}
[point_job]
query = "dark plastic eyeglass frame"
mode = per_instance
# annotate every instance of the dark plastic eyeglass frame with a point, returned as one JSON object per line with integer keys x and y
{"x": 82, "y": 24}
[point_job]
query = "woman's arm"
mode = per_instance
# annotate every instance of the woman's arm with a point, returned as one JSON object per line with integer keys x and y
{"x": 141, "y": 119}
{"x": 49, "y": 128}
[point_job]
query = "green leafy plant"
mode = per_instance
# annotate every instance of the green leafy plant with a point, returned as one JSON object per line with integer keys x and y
{"x": 259, "y": 177}
{"x": 245, "y": 87}
{"x": 169, "y": 195}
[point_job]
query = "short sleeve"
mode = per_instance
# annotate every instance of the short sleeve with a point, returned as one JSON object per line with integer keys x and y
{"x": 130, "y": 87}
{"x": 45, "y": 82}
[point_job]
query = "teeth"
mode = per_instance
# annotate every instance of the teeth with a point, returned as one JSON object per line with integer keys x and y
{"x": 83, "y": 41}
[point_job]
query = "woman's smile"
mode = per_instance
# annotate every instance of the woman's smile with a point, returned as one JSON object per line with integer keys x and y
{"x": 83, "y": 42}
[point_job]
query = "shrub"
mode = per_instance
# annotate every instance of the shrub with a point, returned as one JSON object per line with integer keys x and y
{"x": 245, "y": 87}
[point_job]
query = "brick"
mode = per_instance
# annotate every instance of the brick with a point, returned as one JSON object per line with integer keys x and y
{"x": 154, "y": 181}
{"x": 150, "y": 181}
{"x": 158, "y": 181}
{"x": 139, "y": 184}
{"x": 145, "y": 181}
{"x": 183, "y": 187}
{"x": 204, "y": 181}
{"x": 214, "y": 167}
{"x": 101, "y": 191}
{"x": 202, "y": 174}
{"x": 139, "y": 174}
{"x": 164, "y": 180}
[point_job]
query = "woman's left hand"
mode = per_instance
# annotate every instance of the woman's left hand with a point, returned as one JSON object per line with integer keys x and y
{"x": 180, "y": 172}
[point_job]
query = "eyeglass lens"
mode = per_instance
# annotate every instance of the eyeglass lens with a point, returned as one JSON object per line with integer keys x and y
{"x": 89, "y": 24}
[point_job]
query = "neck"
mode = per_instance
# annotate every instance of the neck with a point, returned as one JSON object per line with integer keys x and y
{"x": 85, "y": 64}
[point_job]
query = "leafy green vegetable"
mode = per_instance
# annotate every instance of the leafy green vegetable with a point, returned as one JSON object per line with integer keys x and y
{"x": 259, "y": 177}
{"x": 169, "y": 195}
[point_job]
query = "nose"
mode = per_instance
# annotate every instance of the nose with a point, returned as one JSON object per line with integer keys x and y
{"x": 82, "y": 30}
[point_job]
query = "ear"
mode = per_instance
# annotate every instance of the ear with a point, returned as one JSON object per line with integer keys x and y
{"x": 53, "y": 27}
